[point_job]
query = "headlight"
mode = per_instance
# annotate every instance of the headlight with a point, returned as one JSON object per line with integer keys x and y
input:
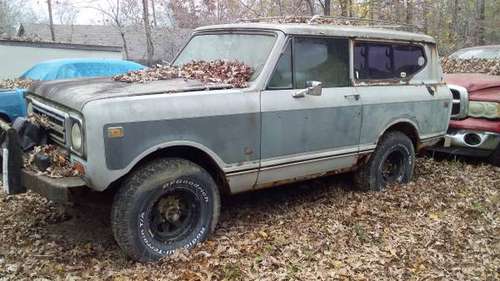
{"x": 489, "y": 110}
{"x": 76, "y": 137}
{"x": 29, "y": 108}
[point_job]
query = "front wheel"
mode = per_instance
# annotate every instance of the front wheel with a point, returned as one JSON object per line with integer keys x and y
{"x": 168, "y": 204}
{"x": 393, "y": 161}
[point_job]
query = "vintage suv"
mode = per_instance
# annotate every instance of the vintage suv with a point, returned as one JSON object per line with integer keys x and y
{"x": 323, "y": 99}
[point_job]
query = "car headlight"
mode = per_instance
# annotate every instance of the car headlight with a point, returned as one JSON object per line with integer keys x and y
{"x": 483, "y": 109}
{"x": 76, "y": 137}
{"x": 29, "y": 108}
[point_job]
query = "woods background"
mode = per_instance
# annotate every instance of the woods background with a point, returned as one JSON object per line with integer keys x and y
{"x": 454, "y": 23}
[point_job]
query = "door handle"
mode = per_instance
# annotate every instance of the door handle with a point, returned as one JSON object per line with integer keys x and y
{"x": 352, "y": 96}
{"x": 431, "y": 89}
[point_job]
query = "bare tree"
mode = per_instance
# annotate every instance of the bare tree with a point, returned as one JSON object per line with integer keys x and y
{"x": 480, "y": 22}
{"x": 12, "y": 13}
{"x": 147, "y": 29}
{"x": 65, "y": 12}
{"x": 51, "y": 21}
{"x": 113, "y": 12}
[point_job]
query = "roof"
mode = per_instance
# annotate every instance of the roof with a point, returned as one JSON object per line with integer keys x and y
{"x": 327, "y": 29}
{"x": 166, "y": 41}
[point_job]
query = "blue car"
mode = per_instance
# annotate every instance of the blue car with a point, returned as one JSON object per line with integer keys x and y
{"x": 12, "y": 104}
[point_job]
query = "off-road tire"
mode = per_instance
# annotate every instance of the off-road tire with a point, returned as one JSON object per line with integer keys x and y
{"x": 134, "y": 204}
{"x": 494, "y": 158}
{"x": 369, "y": 177}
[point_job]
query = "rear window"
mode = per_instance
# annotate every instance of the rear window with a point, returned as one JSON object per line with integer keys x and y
{"x": 381, "y": 61}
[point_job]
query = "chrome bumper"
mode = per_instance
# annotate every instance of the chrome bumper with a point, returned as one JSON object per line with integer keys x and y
{"x": 472, "y": 140}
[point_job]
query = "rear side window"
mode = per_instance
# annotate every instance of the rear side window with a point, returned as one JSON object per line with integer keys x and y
{"x": 387, "y": 61}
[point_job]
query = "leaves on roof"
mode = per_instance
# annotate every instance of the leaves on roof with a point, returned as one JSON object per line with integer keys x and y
{"x": 233, "y": 73}
{"x": 307, "y": 19}
{"x": 474, "y": 65}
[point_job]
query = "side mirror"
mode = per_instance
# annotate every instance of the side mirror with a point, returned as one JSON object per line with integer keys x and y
{"x": 313, "y": 88}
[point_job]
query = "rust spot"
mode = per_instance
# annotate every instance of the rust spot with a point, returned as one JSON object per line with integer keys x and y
{"x": 248, "y": 151}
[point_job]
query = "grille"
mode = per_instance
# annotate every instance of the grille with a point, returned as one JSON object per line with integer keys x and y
{"x": 56, "y": 130}
{"x": 456, "y": 102}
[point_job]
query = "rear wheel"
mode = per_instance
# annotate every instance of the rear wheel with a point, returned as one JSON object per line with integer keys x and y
{"x": 393, "y": 161}
{"x": 167, "y": 205}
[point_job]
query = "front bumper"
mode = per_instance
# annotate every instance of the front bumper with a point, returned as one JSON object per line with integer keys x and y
{"x": 16, "y": 179}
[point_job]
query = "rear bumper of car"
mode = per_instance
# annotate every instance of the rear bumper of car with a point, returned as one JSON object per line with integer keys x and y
{"x": 16, "y": 179}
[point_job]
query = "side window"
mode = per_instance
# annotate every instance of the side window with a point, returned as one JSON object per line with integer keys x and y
{"x": 321, "y": 59}
{"x": 408, "y": 59}
{"x": 387, "y": 61}
{"x": 282, "y": 76}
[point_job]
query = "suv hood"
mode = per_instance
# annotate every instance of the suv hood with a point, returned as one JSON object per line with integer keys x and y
{"x": 481, "y": 87}
{"x": 76, "y": 93}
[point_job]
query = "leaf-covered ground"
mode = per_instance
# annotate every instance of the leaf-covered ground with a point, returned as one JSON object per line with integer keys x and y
{"x": 442, "y": 226}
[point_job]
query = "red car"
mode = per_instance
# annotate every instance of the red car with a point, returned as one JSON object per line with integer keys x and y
{"x": 475, "y": 126}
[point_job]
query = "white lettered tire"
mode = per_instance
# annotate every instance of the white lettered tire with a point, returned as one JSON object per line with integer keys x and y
{"x": 165, "y": 205}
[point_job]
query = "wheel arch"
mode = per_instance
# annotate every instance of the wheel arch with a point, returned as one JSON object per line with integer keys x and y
{"x": 193, "y": 152}
{"x": 407, "y": 127}
{"x": 5, "y": 116}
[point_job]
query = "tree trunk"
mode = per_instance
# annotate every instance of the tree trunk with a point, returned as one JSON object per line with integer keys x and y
{"x": 155, "y": 24}
{"x": 124, "y": 44}
{"x": 425, "y": 12}
{"x": 328, "y": 8}
{"x": 480, "y": 22}
{"x": 409, "y": 12}
{"x": 350, "y": 8}
{"x": 147, "y": 28}
{"x": 371, "y": 9}
{"x": 343, "y": 8}
{"x": 310, "y": 4}
{"x": 51, "y": 21}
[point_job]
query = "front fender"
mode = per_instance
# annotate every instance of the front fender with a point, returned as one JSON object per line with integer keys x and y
{"x": 12, "y": 104}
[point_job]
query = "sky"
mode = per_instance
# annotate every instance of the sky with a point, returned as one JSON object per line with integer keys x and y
{"x": 84, "y": 16}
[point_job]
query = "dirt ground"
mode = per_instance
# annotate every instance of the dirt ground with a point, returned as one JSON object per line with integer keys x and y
{"x": 443, "y": 226}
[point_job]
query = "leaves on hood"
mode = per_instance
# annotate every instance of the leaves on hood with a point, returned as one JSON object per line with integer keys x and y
{"x": 218, "y": 71}
{"x": 15, "y": 83}
{"x": 60, "y": 165}
{"x": 474, "y": 65}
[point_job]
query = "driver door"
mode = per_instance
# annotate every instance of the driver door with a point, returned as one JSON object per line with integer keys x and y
{"x": 305, "y": 135}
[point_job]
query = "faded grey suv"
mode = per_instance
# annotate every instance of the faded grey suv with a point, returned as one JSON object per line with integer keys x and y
{"x": 323, "y": 99}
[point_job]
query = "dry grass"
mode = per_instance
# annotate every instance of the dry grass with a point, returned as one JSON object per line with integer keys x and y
{"x": 442, "y": 226}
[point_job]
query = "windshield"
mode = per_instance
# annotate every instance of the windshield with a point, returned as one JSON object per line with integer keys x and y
{"x": 250, "y": 49}
{"x": 479, "y": 53}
